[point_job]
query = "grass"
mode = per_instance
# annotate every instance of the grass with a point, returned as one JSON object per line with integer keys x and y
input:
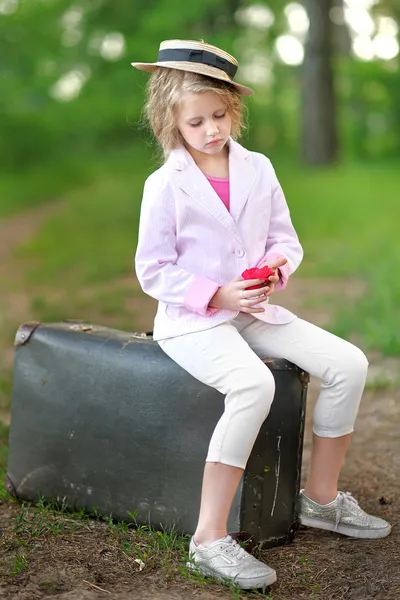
{"x": 345, "y": 228}
{"x": 19, "y": 192}
{"x": 3, "y": 460}
{"x": 347, "y": 219}
{"x": 5, "y": 385}
{"x": 52, "y": 180}
{"x": 93, "y": 240}
{"x": 381, "y": 383}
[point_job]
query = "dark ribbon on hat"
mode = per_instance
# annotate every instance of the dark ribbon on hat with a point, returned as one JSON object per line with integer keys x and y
{"x": 198, "y": 56}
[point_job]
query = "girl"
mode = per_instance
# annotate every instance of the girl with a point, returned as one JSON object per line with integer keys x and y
{"x": 211, "y": 211}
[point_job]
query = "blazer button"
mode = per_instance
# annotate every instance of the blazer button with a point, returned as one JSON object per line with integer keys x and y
{"x": 240, "y": 252}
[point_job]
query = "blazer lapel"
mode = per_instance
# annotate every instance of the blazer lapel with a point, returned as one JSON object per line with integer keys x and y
{"x": 241, "y": 180}
{"x": 194, "y": 183}
{"x": 242, "y": 176}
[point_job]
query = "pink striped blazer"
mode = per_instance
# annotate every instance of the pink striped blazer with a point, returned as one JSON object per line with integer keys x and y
{"x": 189, "y": 244}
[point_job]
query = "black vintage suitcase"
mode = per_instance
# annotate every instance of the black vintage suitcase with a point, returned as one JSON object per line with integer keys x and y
{"x": 104, "y": 420}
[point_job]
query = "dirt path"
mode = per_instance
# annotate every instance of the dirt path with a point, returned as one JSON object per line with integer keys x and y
{"x": 15, "y": 231}
{"x": 18, "y": 229}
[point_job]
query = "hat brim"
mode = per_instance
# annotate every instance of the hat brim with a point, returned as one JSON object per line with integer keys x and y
{"x": 200, "y": 68}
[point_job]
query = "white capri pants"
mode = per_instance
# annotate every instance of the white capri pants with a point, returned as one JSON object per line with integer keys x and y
{"x": 227, "y": 357}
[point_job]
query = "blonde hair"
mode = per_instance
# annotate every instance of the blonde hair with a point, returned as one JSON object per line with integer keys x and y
{"x": 164, "y": 92}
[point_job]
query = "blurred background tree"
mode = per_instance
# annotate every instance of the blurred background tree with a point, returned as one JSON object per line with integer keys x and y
{"x": 67, "y": 88}
{"x": 319, "y": 139}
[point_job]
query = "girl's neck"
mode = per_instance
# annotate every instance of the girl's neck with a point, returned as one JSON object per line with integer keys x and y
{"x": 216, "y": 165}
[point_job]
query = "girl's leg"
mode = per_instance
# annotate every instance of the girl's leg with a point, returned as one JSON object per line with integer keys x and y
{"x": 220, "y": 483}
{"x": 342, "y": 369}
{"x": 327, "y": 457}
{"x": 219, "y": 357}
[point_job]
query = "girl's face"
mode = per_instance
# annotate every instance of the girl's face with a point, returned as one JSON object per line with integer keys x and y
{"x": 204, "y": 122}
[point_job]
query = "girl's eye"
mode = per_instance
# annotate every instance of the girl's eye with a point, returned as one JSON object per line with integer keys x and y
{"x": 220, "y": 116}
{"x": 195, "y": 124}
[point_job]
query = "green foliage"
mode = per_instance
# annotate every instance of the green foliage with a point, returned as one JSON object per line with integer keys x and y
{"x": 38, "y": 130}
{"x": 19, "y": 565}
{"x": 45, "y": 519}
{"x": 34, "y": 39}
{"x": 369, "y": 96}
{"x": 347, "y": 219}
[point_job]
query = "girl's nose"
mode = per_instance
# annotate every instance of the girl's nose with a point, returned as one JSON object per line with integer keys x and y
{"x": 212, "y": 129}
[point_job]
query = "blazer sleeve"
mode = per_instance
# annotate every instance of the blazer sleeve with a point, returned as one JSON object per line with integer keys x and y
{"x": 282, "y": 240}
{"x": 156, "y": 255}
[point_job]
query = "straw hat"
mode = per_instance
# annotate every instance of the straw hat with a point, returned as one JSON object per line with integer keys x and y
{"x": 197, "y": 57}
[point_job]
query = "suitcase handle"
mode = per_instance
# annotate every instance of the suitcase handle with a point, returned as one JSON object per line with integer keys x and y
{"x": 144, "y": 335}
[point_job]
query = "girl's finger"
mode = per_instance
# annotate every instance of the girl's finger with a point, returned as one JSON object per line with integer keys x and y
{"x": 250, "y": 282}
{"x": 255, "y": 293}
{"x": 279, "y": 262}
{"x": 252, "y": 302}
{"x": 252, "y": 310}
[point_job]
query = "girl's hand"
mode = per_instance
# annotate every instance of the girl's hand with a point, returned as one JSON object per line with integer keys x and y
{"x": 273, "y": 279}
{"x": 234, "y": 296}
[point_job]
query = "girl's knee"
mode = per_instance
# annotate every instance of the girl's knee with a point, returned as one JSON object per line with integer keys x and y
{"x": 356, "y": 365}
{"x": 361, "y": 362}
{"x": 252, "y": 391}
{"x": 350, "y": 366}
{"x": 337, "y": 407}
{"x": 263, "y": 392}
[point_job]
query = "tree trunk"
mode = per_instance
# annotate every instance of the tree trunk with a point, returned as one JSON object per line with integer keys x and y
{"x": 340, "y": 31}
{"x": 319, "y": 127}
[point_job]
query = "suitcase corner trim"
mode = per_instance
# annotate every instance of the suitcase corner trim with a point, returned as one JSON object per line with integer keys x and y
{"x": 9, "y": 486}
{"x": 24, "y": 332}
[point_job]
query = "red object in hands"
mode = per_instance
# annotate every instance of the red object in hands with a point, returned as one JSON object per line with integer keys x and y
{"x": 257, "y": 273}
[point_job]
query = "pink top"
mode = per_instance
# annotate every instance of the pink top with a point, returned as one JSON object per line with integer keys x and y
{"x": 221, "y": 186}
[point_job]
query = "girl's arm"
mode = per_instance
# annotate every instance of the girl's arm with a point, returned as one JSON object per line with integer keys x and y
{"x": 282, "y": 238}
{"x": 156, "y": 256}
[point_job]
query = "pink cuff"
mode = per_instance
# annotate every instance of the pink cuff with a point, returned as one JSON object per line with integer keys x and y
{"x": 283, "y": 271}
{"x": 199, "y": 295}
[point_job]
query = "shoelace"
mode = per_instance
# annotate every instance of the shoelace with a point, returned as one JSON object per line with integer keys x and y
{"x": 342, "y": 499}
{"x": 234, "y": 549}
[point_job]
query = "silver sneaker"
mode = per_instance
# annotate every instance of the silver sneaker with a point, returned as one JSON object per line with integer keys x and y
{"x": 226, "y": 560}
{"x": 342, "y": 515}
